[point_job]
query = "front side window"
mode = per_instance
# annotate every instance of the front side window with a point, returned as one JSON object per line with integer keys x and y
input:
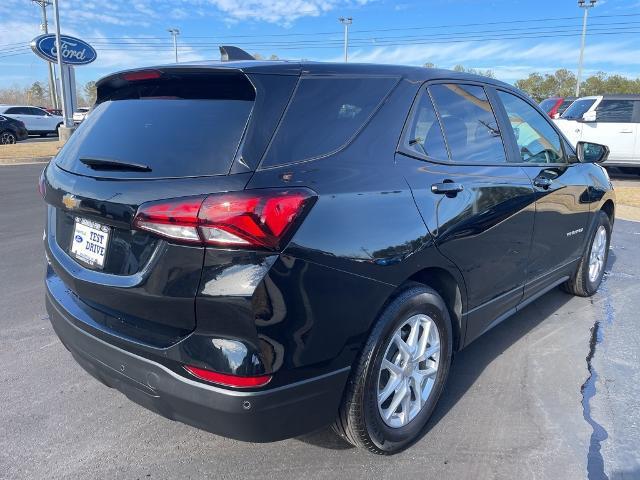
{"x": 424, "y": 136}
{"x": 537, "y": 141}
{"x": 470, "y": 127}
{"x": 614, "y": 111}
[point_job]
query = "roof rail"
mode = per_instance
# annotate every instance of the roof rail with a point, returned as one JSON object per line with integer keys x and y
{"x": 229, "y": 53}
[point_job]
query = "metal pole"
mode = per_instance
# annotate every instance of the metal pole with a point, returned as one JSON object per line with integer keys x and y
{"x": 44, "y": 28}
{"x": 582, "y": 4}
{"x": 65, "y": 114}
{"x": 174, "y": 33}
{"x": 346, "y": 22}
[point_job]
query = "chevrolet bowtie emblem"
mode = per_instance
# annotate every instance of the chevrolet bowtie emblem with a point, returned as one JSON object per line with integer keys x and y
{"x": 70, "y": 201}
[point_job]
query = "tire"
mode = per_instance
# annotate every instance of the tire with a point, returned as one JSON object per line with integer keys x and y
{"x": 585, "y": 282}
{"x": 56, "y": 132}
{"x": 8, "y": 138}
{"x": 360, "y": 420}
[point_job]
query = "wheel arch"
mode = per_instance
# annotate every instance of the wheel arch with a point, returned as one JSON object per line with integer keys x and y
{"x": 452, "y": 292}
{"x": 609, "y": 208}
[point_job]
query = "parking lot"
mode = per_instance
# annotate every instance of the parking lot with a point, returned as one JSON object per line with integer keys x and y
{"x": 552, "y": 393}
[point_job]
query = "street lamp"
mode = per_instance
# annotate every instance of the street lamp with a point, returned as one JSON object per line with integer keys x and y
{"x": 346, "y": 22}
{"x": 585, "y": 6}
{"x": 174, "y": 33}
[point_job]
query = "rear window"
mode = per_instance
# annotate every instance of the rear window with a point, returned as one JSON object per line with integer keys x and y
{"x": 324, "y": 114}
{"x": 548, "y": 104}
{"x": 470, "y": 127}
{"x": 614, "y": 111}
{"x": 178, "y": 127}
{"x": 577, "y": 109}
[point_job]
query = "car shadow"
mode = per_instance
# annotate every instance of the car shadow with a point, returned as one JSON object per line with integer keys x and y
{"x": 469, "y": 363}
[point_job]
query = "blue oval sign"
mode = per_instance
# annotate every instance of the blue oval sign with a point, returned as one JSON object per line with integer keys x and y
{"x": 74, "y": 51}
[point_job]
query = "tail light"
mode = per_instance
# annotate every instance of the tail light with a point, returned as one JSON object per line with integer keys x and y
{"x": 140, "y": 75}
{"x": 247, "y": 219}
{"x": 226, "y": 379}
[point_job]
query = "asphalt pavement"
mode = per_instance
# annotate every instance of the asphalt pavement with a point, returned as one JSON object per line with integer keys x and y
{"x": 552, "y": 393}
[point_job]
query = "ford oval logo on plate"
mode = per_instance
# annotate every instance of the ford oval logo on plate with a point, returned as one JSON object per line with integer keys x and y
{"x": 74, "y": 51}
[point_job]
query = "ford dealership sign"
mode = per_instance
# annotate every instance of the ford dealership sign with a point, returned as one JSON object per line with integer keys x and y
{"x": 74, "y": 51}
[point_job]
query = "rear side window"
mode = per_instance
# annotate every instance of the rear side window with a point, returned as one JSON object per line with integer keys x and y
{"x": 470, "y": 127}
{"x": 178, "y": 127}
{"x": 15, "y": 111}
{"x": 614, "y": 111}
{"x": 324, "y": 114}
{"x": 424, "y": 136}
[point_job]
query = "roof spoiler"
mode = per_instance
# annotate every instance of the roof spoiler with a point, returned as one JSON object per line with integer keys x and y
{"x": 229, "y": 53}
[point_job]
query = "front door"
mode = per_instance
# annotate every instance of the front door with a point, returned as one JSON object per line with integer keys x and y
{"x": 562, "y": 196}
{"x": 478, "y": 207}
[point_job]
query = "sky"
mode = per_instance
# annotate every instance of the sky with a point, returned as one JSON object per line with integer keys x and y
{"x": 512, "y": 38}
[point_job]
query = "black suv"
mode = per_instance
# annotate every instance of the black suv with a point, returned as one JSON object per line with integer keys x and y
{"x": 260, "y": 249}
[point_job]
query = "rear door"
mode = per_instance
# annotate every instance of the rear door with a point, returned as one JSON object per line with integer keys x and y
{"x": 614, "y": 127}
{"x": 478, "y": 206}
{"x": 152, "y": 136}
{"x": 562, "y": 205}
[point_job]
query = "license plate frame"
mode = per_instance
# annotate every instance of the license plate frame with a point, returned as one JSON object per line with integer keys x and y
{"x": 90, "y": 242}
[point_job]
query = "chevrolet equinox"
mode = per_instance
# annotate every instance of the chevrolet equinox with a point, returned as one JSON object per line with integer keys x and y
{"x": 260, "y": 249}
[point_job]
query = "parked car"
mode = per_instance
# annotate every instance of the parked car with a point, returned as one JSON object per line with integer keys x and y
{"x": 38, "y": 121}
{"x": 555, "y": 106}
{"x": 311, "y": 242}
{"x": 80, "y": 114}
{"x": 613, "y": 120}
{"x": 11, "y": 131}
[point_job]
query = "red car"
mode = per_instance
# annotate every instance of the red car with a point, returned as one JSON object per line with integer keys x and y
{"x": 555, "y": 106}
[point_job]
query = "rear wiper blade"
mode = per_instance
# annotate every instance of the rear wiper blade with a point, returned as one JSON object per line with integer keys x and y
{"x": 106, "y": 164}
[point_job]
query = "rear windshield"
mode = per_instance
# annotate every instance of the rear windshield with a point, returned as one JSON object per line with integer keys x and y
{"x": 184, "y": 127}
{"x": 577, "y": 109}
{"x": 548, "y": 104}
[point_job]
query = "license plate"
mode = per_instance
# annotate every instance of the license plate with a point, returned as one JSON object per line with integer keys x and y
{"x": 89, "y": 242}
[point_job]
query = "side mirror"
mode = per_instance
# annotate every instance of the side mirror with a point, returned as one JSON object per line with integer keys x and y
{"x": 592, "y": 152}
{"x": 589, "y": 117}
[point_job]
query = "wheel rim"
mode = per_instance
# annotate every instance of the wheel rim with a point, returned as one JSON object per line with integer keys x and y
{"x": 7, "y": 139}
{"x": 598, "y": 253}
{"x": 408, "y": 370}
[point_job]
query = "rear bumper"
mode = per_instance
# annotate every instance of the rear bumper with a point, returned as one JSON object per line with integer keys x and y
{"x": 256, "y": 416}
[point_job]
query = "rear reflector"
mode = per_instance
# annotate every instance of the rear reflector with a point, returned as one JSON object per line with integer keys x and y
{"x": 141, "y": 75}
{"x": 226, "y": 379}
{"x": 248, "y": 219}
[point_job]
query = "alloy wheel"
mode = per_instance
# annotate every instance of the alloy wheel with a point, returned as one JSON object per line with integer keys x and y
{"x": 598, "y": 253}
{"x": 7, "y": 138}
{"x": 408, "y": 370}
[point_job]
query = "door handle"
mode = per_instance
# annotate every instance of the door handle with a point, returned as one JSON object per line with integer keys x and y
{"x": 447, "y": 188}
{"x": 626, "y": 131}
{"x": 542, "y": 182}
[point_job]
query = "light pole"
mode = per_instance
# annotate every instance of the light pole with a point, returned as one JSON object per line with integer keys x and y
{"x": 346, "y": 22}
{"x": 44, "y": 28}
{"x": 585, "y": 6}
{"x": 174, "y": 33}
{"x": 66, "y": 114}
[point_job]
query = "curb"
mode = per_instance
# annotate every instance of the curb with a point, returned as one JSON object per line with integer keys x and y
{"x": 22, "y": 160}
